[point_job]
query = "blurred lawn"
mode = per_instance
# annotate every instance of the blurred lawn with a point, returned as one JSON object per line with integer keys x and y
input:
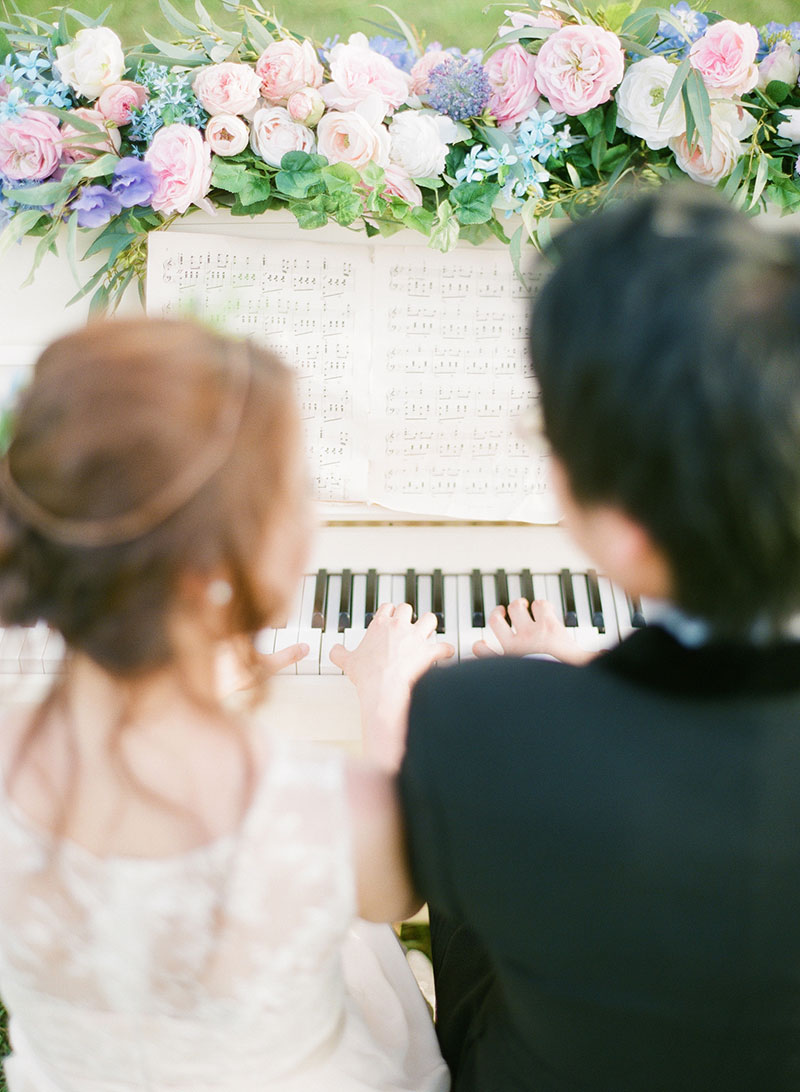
{"x": 453, "y": 22}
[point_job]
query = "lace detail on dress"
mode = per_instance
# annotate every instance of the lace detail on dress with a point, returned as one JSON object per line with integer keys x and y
{"x": 218, "y": 968}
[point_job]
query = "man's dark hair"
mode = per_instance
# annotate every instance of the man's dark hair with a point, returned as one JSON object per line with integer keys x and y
{"x": 666, "y": 344}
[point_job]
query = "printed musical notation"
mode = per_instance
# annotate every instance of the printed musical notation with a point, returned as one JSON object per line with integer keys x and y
{"x": 413, "y": 384}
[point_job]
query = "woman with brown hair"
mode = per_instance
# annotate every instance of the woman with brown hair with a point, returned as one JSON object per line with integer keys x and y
{"x": 176, "y": 885}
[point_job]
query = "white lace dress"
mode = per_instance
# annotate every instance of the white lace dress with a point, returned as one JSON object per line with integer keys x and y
{"x": 237, "y": 967}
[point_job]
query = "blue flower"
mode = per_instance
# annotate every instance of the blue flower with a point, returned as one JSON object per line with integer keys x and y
{"x": 470, "y": 170}
{"x": 13, "y": 105}
{"x": 459, "y": 88}
{"x": 397, "y": 50}
{"x": 30, "y": 65}
{"x": 693, "y": 24}
{"x": 52, "y": 93}
{"x": 134, "y": 182}
{"x": 95, "y": 206}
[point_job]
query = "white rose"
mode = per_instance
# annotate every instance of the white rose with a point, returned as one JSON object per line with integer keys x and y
{"x": 790, "y": 129}
{"x": 417, "y": 144}
{"x": 91, "y": 62}
{"x": 227, "y": 134}
{"x": 782, "y": 63}
{"x": 708, "y": 167}
{"x": 640, "y": 100}
{"x": 274, "y": 134}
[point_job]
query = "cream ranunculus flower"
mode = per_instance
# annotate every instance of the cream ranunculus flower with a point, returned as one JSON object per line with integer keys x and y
{"x": 91, "y": 62}
{"x": 729, "y": 125}
{"x": 640, "y": 100}
{"x": 419, "y": 142}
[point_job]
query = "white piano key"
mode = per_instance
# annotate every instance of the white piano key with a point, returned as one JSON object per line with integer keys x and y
{"x": 306, "y": 634}
{"x": 489, "y": 603}
{"x": 385, "y": 585}
{"x": 398, "y": 589}
{"x": 451, "y": 630}
{"x": 10, "y": 649}
{"x": 331, "y": 636}
{"x": 467, "y": 633}
{"x": 54, "y": 652}
{"x": 264, "y": 641}
{"x": 31, "y": 656}
{"x": 611, "y": 635}
{"x": 623, "y": 612}
{"x": 514, "y": 587}
{"x": 424, "y": 594}
{"x": 358, "y": 608}
{"x": 287, "y": 635}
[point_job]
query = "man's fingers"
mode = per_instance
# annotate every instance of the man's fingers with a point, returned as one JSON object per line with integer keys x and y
{"x": 482, "y": 651}
{"x": 277, "y": 661}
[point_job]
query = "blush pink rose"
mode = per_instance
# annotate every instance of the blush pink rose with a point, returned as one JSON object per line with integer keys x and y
{"x": 399, "y": 184}
{"x": 421, "y": 72}
{"x": 359, "y": 73}
{"x": 354, "y": 137}
{"x": 227, "y": 134}
{"x": 117, "y": 101}
{"x": 729, "y": 125}
{"x": 512, "y": 74}
{"x": 578, "y": 67}
{"x": 725, "y": 56}
{"x": 77, "y": 146}
{"x": 781, "y": 63}
{"x": 273, "y": 134}
{"x": 285, "y": 67}
{"x": 181, "y": 162}
{"x": 30, "y": 146}
{"x": 227, "y": 88}
{"x": 306, "y": 106}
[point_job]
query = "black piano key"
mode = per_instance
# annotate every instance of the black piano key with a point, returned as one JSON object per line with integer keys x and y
{"x": 372, "y": 596}
{"x": 637, "y": 613}
{"x": 526, "y": 585}
{"x": 345, "y": 599}
{"x": 320, "y": 597}
{"x": 501, "y": 588}
{"x": 595, "y": 602}
{"x": 568, "y": 598}
{"x": 438, "y": 599}
{"x": 411, "y": 592}
{"x": 478, "y": 610}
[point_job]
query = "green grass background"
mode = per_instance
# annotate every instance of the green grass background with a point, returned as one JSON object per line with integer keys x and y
{"x": 461, "y": 23}
{"x": 453, "y": 22}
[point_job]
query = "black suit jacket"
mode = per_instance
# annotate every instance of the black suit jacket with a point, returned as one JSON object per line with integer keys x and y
{"x": 623, "y": 842}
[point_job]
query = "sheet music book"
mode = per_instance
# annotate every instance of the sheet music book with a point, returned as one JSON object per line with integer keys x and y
{"x": 411, "y": 365}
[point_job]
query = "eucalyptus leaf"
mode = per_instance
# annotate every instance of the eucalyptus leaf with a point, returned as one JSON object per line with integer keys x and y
{"x": 257, "y": 33}
{"x": 405, "y": 29}
{"x": 675, "y": 87}
{"x": 174, "y": 52}
{"x": 695, "y": 93}
{"x": 641, "y": 26}
{"x": 762, "y": 174}
{"x": 20, "y": 225}
{"x": 183, "y": 25}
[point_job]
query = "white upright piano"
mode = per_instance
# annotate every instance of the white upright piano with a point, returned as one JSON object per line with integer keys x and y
{"x": 451, "y": 510}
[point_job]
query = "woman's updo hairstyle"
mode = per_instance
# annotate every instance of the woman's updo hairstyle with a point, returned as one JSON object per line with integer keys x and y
{"x": 142, "y": 449}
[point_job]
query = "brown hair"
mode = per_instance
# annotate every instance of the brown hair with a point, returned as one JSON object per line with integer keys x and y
{"x": 108, "y": 435}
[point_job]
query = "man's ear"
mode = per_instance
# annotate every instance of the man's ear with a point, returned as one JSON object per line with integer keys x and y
{"x": 621, "y": 547}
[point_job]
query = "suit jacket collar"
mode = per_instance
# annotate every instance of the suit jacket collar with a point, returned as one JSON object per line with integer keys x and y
{"x": 653, "y": 657}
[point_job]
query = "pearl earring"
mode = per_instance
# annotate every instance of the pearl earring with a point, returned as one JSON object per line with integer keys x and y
{"x": 219, "y": 593}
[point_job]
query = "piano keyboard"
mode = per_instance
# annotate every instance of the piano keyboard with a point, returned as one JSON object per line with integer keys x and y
{"x": 459, "y": 571}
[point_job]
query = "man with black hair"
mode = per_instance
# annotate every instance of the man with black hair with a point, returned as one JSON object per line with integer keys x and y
{"x": 611, "y": 852}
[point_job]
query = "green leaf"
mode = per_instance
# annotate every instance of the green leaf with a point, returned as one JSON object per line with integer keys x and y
{"x": 420, "y": 219}
{"x": 76, "y": 122}
{"x": 256, "y": 188}
{"x": 616, "y": 14}
{"x": 175, "y": 52}
{"x": 778, "y": 91}
{"x": 308, "y": 214}
{"x": 675, "y": 87}
{"x": 97, "y": 168}
{"x": 405, "y": 29}
{"x": 373, "y": 176}
{"x": 696, "y": 98}
{"x": 632, "y": 46}
{"x": 599, "y": 148}
{"x": 259, "y": 36}
{"x": 521, "y": 34}
{"x": 299, "y": 173}
{"x": 641, "y": 26}
{"x": 761, "y": 179}
{"x": 238, "y": 209}
{"x": 72, "y": 246}
{"x": 472, "y": 201}
{"x": 515, "y": 249}
{"x": 20, "y": 225}
{"x": 346, "y": 207}
{"x": 428, "y": 183}
{"x": 592, "y": 120}
{"x": 574, "y": 177}
{"x": 340, "y": 176}
{"x": 183, "y": 25}
{"x": 228, "y": 176}
{"x": 5, "y": 47}
{"x": 734, "y": 179}
{"x": 444, "y": 229}
{"x": 610, "y": 122}
{"x": 47, "y": 193}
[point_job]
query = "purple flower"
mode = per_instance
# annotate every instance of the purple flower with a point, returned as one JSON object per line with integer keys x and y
{"x": 397, "y": 50}
{"x": 459, "y": 88}
{"x": 96, "y": 206}
{"x": 134, "y": 182}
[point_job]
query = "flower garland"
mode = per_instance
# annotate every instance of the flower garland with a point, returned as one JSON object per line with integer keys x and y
{"x": 387, "y": 133}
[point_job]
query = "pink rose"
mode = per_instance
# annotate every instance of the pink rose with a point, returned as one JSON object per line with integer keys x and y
{"x": 578, "y": 67}
{"x": 77, "y": 145}
{"x": 359, "y": 73}
{"x": 728, "y": 127}
{"x": 355, "y": 137}
{"x": 273, "y": 134}
{"x": 725, "y": 56}
{"x": 512, "y": 74}
{"x": 227, "y": 134}
{"x": 398, "y": 184}
{"x": 306, "y": 106}
{"x": 287, "y": 66}
{"x": 227, "y": 88}
{"x": 782, "y": 63}
{"x": 181, "y": 162}
{"x": 30, "y": 146}
{"x": 421, "y": 72}
{"x": 117, "y": 101}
